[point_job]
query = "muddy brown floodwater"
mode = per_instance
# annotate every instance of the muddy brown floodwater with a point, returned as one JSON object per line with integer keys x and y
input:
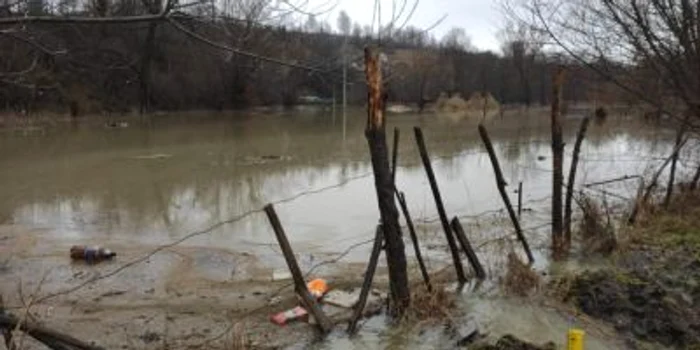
{"x": 135, "y": 188}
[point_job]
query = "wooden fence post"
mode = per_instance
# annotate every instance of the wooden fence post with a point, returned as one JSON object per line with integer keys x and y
{"x": 674, "y": 161}
{"x": 520, "y": 199}
{"x": 414, "y": 238}
{"x": 557, "y": 163}
{"x": 383, "y": 181}
{"x": 438, "y": 202}
{"x": 395, "y": 156}
{"x": 369, "y": 276}
{"x": 471, "y": 254}
{"x": 572, "y": 178}
{"x": 501, "y": 184}
{"x": 312, "y": 306}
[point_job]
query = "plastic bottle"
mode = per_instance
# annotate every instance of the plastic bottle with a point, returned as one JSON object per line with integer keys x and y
{"x": 91, "y": 254}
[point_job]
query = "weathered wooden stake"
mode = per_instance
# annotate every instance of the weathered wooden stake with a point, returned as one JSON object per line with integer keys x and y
{"x": 674, "y": 161}
{"x": 557, "y": 164}
{"x": 416, "y": 247}
{"x": 369, "y": 276}
{"x": 438, "y": 202}
{"x": 501, "y": 184}
{"x": 572, "y": 178}
{"x": 520, "y": 199}
{"x": 383, "y": 181}
{"x": 310, "y": 303}
{"x": 467, "y": 247}
{"x": 394, "y": 156}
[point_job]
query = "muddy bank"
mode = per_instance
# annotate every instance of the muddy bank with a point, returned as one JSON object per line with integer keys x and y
{"x": 650, "y": 291}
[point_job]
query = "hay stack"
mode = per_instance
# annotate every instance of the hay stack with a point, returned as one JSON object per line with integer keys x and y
{"x": 478, "y": 102}
{"x": 482, "y": 100}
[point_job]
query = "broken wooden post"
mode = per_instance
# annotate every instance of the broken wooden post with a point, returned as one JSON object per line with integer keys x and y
{"x": 471, "y": 254}
{"x": 520, "y": 199}
{"x": 572, "y": 178}
{"x": 414, "y": 238}
{"x": 383, "y": 181}
{"x": 557, "y": 163}
{"x": 310, "y": 303}
{"x": 674, "y": 161}
{"x": 369, "y": 276}
{"x": 438, "y": 203}
{"x": 394, "y": 156}
{"x": 501, "y": 184}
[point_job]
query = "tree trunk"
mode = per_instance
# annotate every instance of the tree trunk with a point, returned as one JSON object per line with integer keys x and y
{"x": 376, "y": 139}
{"x": 145, "y": 73}
{"x": 557, "y": 163}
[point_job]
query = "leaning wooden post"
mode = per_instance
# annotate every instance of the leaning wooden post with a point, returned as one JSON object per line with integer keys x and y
{"x": 471, "y": 254}
{"x": 501, "y": 184}
{"x": 414, "y": 238}
{"x": 572, "y": 178}
{"x": 369, "y": 276}
{"x": 310, "y": 303}
{"x": 676, "y": 153}
{"x": 557, "y": 163}
{"x": 383, "y": 181}
{"x": 438, "y": 202}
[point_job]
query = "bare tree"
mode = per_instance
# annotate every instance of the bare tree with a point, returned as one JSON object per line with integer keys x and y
{"x": 640, "y": 45}
{"x": 344, "y": 23}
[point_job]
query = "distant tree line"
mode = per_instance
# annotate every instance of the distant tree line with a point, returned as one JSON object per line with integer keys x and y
{"x": 125, "y": 60}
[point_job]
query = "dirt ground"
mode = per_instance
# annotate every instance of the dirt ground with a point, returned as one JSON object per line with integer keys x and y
{"x": 185, "y": 297}
{"x": 650, "y": 290}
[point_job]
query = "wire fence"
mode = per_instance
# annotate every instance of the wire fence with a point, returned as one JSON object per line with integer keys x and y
{"x": 365, "y": 239}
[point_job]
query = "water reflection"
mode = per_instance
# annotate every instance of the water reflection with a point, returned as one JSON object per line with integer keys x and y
{"x": 150, "y": 184}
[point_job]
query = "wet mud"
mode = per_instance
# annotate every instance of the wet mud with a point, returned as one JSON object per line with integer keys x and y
{"x": 652, "y": 296}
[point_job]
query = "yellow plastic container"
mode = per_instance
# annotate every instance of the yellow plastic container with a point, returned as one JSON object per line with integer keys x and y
{"x": 575, "y": 339}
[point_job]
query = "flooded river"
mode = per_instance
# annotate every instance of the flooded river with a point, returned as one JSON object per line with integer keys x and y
{"x": 147, "y": 184}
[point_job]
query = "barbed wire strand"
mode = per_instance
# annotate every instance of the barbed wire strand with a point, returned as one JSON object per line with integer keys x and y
{"x": 193, "y": 234}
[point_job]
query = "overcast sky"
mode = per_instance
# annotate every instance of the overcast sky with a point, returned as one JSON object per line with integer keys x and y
{"x": 480, "y": 18}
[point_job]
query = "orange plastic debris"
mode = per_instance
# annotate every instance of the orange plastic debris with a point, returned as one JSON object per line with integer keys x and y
{"x": 317, "y": 287}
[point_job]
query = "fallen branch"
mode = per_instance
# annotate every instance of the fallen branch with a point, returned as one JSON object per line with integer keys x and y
{"x": 52, "y": 339}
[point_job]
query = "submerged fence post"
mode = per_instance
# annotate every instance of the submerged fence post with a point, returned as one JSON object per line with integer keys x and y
{"x": 572, "y": 178}
{"x": 324, "y": 323}
{"x": 369, "y": 276}
{"x": 375, "y": 134}
{"x": 414, "y": 238}
{"x": 501, "y": 184}
{"x": 438, "y": 202}
{"x": 471, "y": 254}
{"x": 557, "y": 163}
{"x": 520, "y": 199}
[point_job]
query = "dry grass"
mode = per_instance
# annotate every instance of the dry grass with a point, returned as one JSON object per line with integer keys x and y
{"x": 520, "y": 278}
{"x": 677, "y": 225}
{"x": 596, "y": 228}
{"x": 427, "y": 306}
